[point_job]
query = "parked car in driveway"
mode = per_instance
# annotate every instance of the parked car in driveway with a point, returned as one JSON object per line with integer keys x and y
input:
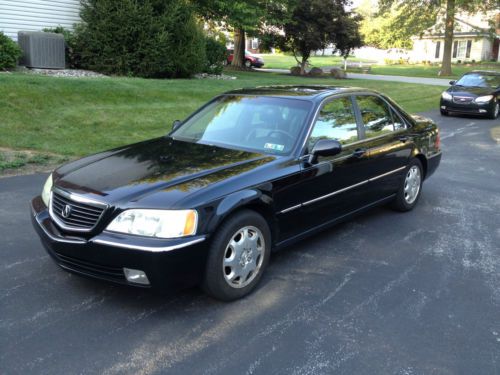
{"x": 251, "y": 60}
{"x": 252, "y": 171}
{"x": 475, "y": 93}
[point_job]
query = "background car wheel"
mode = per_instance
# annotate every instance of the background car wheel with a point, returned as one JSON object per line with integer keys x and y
{"x": 411, "y": 187}
{"x": 238, "y": 255}
{"x": 494, "y": 110}
{"x": 444, "y": 113}
{"x": 248, "y": 63}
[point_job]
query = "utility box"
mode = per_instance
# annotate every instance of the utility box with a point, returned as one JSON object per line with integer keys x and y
{"x": 42, "y": 50}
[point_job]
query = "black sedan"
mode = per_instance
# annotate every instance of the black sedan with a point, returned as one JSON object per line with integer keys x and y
{"x": 250, "y": 172}
{"x": 476, "y": 93}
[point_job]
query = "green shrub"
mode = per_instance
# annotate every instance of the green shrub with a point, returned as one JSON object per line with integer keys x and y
{"x": 145, "y": 38}
{"x": 9, "y": 52}
{"x": 216, "y": 55}
{"x": 73, "y": 59}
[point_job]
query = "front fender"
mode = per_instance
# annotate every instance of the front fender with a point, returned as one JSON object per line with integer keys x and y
{"x": 234, "y": 201}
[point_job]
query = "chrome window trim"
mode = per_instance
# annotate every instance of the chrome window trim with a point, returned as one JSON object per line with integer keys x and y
{"x": 148, "y": 248}
{"x": 78, "y": 199}
{"x": 342, "y": 190}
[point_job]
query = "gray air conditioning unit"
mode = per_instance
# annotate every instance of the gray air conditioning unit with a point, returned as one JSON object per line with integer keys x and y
{"x": 42, "y": 50}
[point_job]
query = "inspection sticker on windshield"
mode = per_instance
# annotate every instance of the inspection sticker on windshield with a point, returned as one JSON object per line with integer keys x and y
{"x": 273, "y": 146}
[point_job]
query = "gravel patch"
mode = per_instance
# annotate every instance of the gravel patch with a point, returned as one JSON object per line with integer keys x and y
{"x": 71, "y": 73}
{"x": 213, "y": 76}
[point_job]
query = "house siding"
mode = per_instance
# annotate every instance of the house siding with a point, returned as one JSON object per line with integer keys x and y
{"x": 425, "y": 49}
{"x": 35, "y": 15}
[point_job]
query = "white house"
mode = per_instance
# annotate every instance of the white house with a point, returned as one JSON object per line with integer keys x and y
{"x": 35, "y": 15}
{"x": 472, "y": 40}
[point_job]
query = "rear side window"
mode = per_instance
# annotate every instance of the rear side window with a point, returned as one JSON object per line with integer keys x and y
{"x": 376, "y": 116}
{"x": 336, "y": 121}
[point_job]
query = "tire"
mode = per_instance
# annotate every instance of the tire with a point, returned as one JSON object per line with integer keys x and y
{"x": 410, "y": 187}
{"x": 493, "y": 113}
{"x": 248, "y": 63}
{"x": 233, "y": 268}
{"x": 444, "y": 113}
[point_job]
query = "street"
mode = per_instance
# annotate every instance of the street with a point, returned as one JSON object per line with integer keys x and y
{"x": 385, "y": 293}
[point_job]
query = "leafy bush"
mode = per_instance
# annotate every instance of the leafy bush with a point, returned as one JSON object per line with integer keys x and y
{"x": 217, "y": 55}
{"x": 73, "y": 58}
{"x": 146, "y": 38}
{"x": 9, "y": 52}
{"x": 316, "y": 72}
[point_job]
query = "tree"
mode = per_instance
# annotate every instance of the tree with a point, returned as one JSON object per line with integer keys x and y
{"x": 416, "y": 16}
{"x": 242, "y": 16}
{"x": 377, "y": 30}
{"x": 316, "y": 24}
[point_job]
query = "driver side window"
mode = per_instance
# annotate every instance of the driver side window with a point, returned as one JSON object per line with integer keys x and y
{"x": 336, "y": 121}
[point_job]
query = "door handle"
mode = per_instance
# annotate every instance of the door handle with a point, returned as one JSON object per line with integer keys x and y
{"x": 359, "y": 152}
{"x": 404, "y": 138}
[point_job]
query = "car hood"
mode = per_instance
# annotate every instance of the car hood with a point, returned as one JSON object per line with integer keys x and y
{"x": 470, "y": 91}
{"x": 132, "y": 172}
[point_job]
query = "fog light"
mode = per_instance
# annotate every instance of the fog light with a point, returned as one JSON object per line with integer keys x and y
{"x": 483, "y": 111}
{"x": 443, "y": 107}
{"x": 136, "y": 276}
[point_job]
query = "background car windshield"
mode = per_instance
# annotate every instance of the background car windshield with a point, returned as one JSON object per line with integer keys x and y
{"x": 479, "y": 80}
{"x": 262, "y": 124}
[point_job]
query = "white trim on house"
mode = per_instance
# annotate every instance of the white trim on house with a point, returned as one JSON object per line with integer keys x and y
{"x": 35, "y": 15}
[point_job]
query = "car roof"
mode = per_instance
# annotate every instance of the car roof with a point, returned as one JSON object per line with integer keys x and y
{"x": 310, "y": 92}
{"x": 487, "y": 72}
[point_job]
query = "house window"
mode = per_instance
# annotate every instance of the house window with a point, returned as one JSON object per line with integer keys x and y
{"x": 255, "y": 43}
{"x": 438, "y": 48}
{"x": 462, "y": 48}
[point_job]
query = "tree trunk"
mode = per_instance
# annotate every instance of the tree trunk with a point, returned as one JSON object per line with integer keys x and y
{"x": 303, "y": 63}
{"x": 239, "y": 49}
{"x": 448, "y": 38}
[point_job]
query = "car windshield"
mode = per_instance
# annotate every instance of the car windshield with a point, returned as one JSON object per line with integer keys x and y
{"x": 479, "y": 80}
{"x": 256, "y": 123}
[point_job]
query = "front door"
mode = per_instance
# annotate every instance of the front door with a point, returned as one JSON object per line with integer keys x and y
{"x": 335, "y": 185}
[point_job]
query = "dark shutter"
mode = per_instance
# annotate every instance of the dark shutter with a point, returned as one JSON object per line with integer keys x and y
{"x": 469, "y": 45}
{"x": 455, "y": 48}
{"x": 438, "y": 48}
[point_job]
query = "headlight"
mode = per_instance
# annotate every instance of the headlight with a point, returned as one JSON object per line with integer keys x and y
{"x": 446, "y": 96}
{"x": 46, "y": 190}
{"x": 156, "y": 223}
{"x": 483, "y": 99}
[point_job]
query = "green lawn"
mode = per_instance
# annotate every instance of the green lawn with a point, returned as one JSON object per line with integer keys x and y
{"x": 279, "y": 61}
{"x": 429, "y": 71}
{"x": 73, "y": 117}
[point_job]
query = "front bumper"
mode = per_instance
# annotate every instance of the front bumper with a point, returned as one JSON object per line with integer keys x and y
{"x": 171, "y": 263}
{"x": 472, "y": 108}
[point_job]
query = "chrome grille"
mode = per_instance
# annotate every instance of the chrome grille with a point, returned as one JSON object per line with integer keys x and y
{"x": 462, "y": 99}
{"x": 75, "y": 213}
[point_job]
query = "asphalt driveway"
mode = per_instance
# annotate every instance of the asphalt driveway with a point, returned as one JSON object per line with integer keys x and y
{"x": 386, "y": 293}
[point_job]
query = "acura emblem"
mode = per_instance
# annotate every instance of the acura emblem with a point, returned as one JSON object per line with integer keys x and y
{"x": 66, "y": 211}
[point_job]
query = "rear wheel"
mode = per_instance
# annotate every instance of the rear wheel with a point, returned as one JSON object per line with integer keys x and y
{"x": 248, "y": 63}
{"x": 410, "y": 188}
{"x": 238, "y": 256}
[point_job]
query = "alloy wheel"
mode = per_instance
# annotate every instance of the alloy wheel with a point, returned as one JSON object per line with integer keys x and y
{"x": 412, "y": 184}
{"x": 243, "y": 257}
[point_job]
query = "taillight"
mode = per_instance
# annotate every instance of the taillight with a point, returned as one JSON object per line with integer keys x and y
{"x": 437, "y": 142}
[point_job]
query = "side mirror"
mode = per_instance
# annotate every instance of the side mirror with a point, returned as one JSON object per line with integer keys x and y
{"x": 452, "y": 82}
{"x": 176, "y": 124}
{"x": 324, "y": 147}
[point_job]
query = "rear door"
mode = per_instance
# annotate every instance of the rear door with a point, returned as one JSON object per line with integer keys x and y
{"x": 388, "y": 144}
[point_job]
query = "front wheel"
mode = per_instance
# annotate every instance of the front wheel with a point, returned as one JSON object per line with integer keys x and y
{"x": 238, "y": 256}
{"x": 248, "y": 63}
{"x": 444, "y": 113}
{"x": 410, "y": 188}
{"x": 493, "y": 114}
